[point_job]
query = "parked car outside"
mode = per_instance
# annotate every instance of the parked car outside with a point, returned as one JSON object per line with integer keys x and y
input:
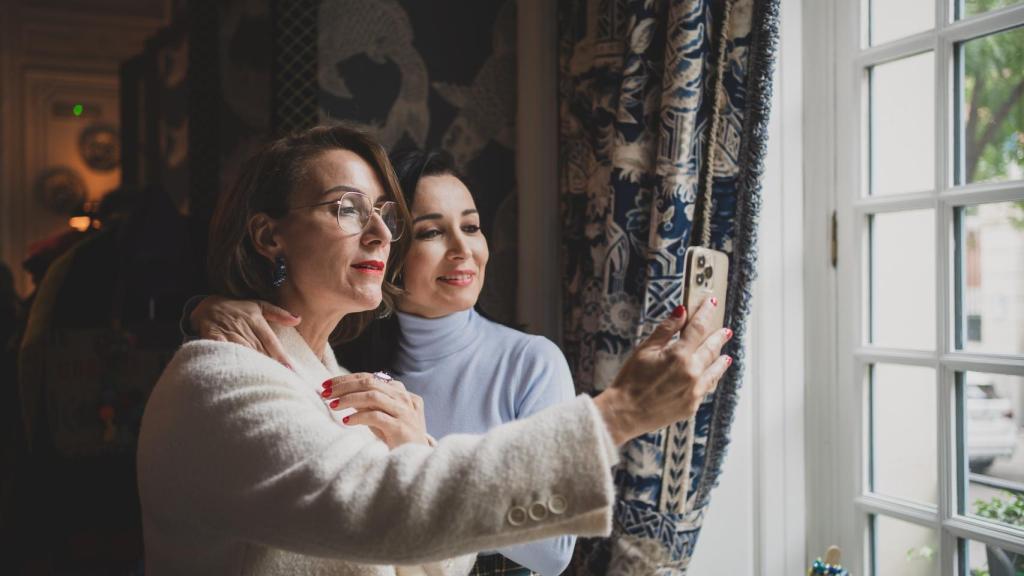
{"x": 991, "y": 427}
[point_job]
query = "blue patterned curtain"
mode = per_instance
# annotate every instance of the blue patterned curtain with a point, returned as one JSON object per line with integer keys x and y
{"x": 636, "y": 91}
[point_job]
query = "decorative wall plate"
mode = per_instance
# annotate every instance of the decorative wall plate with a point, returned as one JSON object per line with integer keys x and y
{"x": 100, "y": 147}
{"x": 61, "y": 189}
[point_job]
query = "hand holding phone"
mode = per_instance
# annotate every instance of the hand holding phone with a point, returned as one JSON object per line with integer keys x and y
{"x": 706, "y": 275}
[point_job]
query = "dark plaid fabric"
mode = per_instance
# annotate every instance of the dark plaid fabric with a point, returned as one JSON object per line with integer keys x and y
{"x": 494, "y": 564}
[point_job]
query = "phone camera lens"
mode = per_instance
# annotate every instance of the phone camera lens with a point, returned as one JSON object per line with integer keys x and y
{"x": 708, "y": 272}
{"x": 701, "y": 262}
{"x": 700, "y": 279}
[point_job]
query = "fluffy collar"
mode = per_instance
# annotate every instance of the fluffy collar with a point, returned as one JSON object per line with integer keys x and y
{"x": 307, "y": 366}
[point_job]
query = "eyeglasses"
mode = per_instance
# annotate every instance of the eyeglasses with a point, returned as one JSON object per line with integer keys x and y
{"x": 354, "y": 210}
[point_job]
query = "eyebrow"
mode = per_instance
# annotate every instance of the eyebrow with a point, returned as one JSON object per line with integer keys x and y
{"x": 344, "y": 188}
{"x": 436, "y": 216}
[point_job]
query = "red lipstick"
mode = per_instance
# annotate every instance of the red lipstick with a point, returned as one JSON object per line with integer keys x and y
{"x": 374, "y": 267}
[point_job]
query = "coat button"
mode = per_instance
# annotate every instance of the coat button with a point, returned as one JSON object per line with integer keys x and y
{"x": 538, "y": 511}
{"x": 517, "y": 516}
{"x": 557, "y": 504}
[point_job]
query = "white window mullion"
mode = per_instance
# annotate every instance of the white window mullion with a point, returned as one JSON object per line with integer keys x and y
{"x": 894, "y": 203}
{"x": 982, "y": 24}
{"x": 994, "y": 363}
{"x": 873, "y": 355}
{"x": 848, "y": 435}
{"x": 987, "y": 532}
{"x": 984, "y": 192}
{"x": 896, "y": 49}
{"x": 900, "y": 510}
{"x": 949, "y": 474}
{"x": 946, "y": 417}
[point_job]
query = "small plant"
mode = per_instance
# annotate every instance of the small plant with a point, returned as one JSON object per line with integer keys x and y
{"x": 1007, "y": 511}
{"x": 926, "y": 553}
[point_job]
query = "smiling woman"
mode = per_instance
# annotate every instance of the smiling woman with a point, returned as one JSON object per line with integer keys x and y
{"x": 448, "y": 255}
{"x": 248, "y": 465}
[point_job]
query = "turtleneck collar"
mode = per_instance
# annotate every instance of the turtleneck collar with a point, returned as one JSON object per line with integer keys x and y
{"x": 433, "y": 338}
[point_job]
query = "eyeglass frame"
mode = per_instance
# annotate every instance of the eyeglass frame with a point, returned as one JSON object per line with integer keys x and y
{"x": 373, "y": 210}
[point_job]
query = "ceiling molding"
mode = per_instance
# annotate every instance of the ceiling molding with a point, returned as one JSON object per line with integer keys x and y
{"x": 80, "y": 36}
{"x": 119, "y": 12}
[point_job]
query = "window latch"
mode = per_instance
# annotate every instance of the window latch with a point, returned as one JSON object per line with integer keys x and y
{"x": 834, "y": 240}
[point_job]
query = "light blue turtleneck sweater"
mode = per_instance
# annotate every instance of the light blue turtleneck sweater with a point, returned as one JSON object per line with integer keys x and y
{"x": 473, "y": 375}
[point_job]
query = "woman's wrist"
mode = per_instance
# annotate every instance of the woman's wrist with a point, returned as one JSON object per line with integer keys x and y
{"x": 614, "y": 409}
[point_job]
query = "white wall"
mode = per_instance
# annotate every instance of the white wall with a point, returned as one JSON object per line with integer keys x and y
{"x": 756, "y": 522}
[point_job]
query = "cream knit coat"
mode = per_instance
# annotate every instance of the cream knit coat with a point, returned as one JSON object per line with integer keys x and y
{"x": 243, "y": 470}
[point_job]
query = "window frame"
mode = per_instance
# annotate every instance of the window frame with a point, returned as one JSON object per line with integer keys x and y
{"x": 837, "y": 61}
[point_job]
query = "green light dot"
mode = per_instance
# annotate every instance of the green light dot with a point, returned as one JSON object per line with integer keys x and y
{"x": 77, "y": 110}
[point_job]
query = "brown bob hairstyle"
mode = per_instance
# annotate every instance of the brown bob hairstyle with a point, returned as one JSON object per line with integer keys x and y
{"x": 265, "y": 184}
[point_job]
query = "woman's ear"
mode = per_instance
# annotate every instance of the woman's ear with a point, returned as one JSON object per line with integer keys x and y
{"x": 263, "y": 232}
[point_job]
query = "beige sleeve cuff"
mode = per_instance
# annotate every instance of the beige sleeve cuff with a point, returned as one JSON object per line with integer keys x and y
{"x": 603, "y": 434}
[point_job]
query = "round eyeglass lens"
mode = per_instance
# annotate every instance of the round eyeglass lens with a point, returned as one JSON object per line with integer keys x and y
{"x": 355, "y": 210}
{"x": 353, "y": 213}
{"x": 389, "y": 214}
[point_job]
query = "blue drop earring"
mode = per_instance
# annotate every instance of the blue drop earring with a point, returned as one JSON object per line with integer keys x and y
{"x": 280, "y": 272}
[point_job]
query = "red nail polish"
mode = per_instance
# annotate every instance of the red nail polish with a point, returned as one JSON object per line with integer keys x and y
{"x": 714, "y": 301}
{"x": 335, "y": 402}
{"x": 728, "y": 334}
{"x": 728, "y": 360}
{"x": 327, "y": 384}
{"x": 345, "y": 420}
{"x": 678, "y": 312}
{"x": 326, "y": 393}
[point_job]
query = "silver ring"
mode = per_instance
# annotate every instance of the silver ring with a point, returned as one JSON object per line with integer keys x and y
{"x": 383, "y": 376}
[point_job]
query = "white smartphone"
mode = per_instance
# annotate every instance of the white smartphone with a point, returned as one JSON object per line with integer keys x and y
{"x": 706, "y": 274}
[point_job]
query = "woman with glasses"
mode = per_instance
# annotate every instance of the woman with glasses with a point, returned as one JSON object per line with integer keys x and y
{"x": 472, "y": 373}
{"x": 244, "y": 468}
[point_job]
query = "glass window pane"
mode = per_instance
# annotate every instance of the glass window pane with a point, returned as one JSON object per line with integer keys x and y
{"x": 991, "y": 277}
{"x": 972, "y": 7}
{"x": 904, "y": 549}
{"x": 902, "y": 280}
{"x": 904, "y": 432}
{"x": 992, "y": 408}
{"x": 981, "y": 559}
{"x": 902, "y": 152}
{"x": 992, "y": 108}
{"x": 891, "y": 20}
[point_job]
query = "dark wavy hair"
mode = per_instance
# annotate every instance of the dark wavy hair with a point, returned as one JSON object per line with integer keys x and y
{"x": 265, "y": 185}
{"x": 376, "y": 347}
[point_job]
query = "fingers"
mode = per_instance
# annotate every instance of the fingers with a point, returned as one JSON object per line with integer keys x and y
{"x": 709, "y": 380}
{"x": 668, "y": 327}
{"x": 271, "y": 344}
{"x": 377, "y": 421}
{"x": 244, "y": 338}
{"x": 698, "y": 328}
{"x": 369, "y": 400}
{"x": 709, "y": 350}
{"x": 340, "y": 386}
{"x": 350, "y": 382}
{"x": 357, "y": 382}
{"x": 278, "y": 315}
{"x": 201, "y": 311}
